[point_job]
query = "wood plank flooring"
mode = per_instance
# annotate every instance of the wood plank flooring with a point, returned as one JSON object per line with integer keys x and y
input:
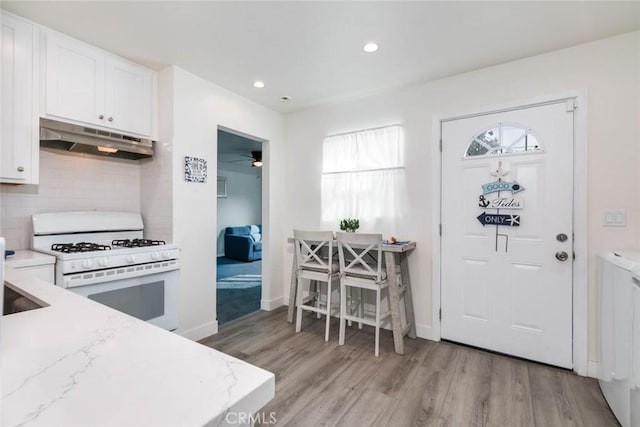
{"x": 433, "y": 384}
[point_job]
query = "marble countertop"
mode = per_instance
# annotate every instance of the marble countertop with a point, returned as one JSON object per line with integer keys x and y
{"x": 79, "y": 363}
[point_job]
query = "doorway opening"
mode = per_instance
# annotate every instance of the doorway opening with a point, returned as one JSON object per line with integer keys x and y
{"x": 239, "y": 226}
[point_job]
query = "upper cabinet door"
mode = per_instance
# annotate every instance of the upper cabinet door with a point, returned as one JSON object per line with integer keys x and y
{"x": 75, "y": 81}
{"x": 17, "y": 143}
{"x": 128, "y": 97}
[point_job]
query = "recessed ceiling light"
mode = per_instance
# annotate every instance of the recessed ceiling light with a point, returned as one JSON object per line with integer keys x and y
{"x": 258, "y": 84}
{"x": 370, "y": 47}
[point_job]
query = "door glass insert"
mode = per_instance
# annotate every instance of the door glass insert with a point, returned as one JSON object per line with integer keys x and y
{"x": 503, "y": 139}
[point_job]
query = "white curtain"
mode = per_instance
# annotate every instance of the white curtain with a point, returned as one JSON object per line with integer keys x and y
{"x": 363, "y": 177}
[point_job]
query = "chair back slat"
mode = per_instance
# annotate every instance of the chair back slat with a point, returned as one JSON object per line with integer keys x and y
{"x": 309, "y": 247}
{"x": 359, "y": 246}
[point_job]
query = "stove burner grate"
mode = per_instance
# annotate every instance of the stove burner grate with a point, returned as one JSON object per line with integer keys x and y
{"x": 137, "y": 243}
{"x": 71, "y": 248}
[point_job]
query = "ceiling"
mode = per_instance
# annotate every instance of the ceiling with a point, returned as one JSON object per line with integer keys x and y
{"x": 312, "y": 51}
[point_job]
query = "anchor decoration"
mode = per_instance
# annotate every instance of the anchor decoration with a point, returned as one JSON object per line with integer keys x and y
{"x": 500, "y": 202}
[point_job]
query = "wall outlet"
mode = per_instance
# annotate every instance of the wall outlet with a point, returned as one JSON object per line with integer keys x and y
{"x": 614, "y": 218}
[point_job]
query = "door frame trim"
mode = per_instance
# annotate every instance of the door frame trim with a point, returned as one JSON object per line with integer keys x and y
{"x": 580, "y": 283}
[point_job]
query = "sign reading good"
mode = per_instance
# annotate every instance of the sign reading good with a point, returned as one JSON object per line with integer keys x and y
{"x": 500, "y": 203}
{"x": 499, "y": 219}
{"x": 494, "y": 187}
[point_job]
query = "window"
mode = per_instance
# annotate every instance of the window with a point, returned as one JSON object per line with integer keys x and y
{"x": 503, "y": 139}
{"x": 363, "y": 177}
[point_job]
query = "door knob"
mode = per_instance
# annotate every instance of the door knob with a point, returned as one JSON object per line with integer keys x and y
{"x": 110, "y": 119}
{"x": 20, "y": 169}
{"x": 562, "y": 256}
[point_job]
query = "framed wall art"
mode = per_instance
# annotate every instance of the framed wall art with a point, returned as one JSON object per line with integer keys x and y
{"x": 222, "y": 186}
{"x": 195, "y": 169}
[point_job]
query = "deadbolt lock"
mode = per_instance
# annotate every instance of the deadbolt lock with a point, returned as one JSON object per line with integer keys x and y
{"x": 562, "y": 237}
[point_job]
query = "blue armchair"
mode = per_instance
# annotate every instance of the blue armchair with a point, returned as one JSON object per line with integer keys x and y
{"x": 243, "y": 243}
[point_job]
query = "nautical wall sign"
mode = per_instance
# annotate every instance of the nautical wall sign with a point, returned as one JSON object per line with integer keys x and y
{"x": 499, "y": 219}
{"x": 494, "y": 187}
{"x": 500, "y": 203}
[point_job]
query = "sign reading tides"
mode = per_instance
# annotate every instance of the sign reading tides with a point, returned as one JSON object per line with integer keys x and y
{"x": 500, "y": 202}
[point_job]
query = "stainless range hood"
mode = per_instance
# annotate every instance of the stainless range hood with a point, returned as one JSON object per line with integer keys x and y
{"x": 81, "y": 139}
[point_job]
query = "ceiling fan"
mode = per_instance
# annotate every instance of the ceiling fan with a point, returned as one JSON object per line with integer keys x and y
{"x": 255, "y": 158}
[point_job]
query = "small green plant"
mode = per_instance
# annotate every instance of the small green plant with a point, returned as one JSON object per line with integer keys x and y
{"x": 350, "y": 224}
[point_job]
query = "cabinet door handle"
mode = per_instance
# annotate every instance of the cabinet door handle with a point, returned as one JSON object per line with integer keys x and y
{"x": 20, "y": 169}
{"x": 110, "y": 119}
{"x": 101, "y": 116}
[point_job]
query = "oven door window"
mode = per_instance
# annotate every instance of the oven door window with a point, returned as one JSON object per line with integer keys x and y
{"x": 144, "y": 301}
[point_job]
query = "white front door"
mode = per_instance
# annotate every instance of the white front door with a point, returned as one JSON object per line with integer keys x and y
{"x": 507, "y": 232}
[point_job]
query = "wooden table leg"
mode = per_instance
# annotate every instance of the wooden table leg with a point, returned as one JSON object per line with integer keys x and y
{"x": 394, "y": 301}
{"x": 293, "y": 287}
{"x": 408, "y": 299}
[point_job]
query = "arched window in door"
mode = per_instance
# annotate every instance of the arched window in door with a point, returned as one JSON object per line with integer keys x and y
{"x": 503, "y": 139}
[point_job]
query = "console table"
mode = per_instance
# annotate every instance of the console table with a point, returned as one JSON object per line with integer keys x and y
{"x": 399, "y": 293}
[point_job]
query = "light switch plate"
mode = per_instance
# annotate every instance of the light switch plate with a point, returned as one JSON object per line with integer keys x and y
{"x": 614, "y": 218}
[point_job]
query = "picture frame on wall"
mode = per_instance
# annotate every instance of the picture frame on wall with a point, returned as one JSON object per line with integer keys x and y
{"x": 195, "y": 169}
{"x": 222, "y": 186}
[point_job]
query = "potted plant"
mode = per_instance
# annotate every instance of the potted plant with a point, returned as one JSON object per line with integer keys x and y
{"x": 350, "y": 225}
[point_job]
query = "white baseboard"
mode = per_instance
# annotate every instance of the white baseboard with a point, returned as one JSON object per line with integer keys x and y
{"x": 271, "y": 304}
{"x": 592, "y": 369}
{"x": 200, "y": 332}
{"x": 424, "y": 331}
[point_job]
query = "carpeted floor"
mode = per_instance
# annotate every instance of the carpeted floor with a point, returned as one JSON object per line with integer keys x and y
{"x": 228, "y": 267}
{"x": 239, "y": 288}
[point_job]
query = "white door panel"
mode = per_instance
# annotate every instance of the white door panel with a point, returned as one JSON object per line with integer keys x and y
{"x": 502, "y": 287}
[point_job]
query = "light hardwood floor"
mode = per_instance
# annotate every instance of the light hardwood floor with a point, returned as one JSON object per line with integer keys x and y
{"x": 433, "y": 384}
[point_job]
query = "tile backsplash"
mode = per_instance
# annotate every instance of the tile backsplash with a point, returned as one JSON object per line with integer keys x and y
{"x": 68, "y": 182}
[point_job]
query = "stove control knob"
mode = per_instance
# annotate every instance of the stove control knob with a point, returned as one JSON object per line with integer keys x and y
{"x": 166, "y": 254}
{"x": 155, "y": 256}
{"x": 130, "y": 259}
{"x": 87, "y": 263}
{"x": 104, "y": 262}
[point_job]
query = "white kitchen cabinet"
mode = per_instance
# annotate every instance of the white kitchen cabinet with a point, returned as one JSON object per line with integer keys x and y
{"x": 75, "y": 80}
{"x": 90, "y": 86}
{"x": 128, "y": 96}
{"x": 19, "y": 143}
{"x": 33, "y": 264}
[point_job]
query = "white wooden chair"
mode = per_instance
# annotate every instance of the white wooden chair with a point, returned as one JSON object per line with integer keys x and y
{"x": 361, "y": 267}
{"x": 315, "y": 263}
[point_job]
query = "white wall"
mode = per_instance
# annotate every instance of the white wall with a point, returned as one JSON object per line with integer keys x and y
{"x": 198, "y": 108}
{"x": 607, "y": 69}
{"x": 156, "y": 174}
{"x": 68, "y": 182}
{"x": 243, "y": 204}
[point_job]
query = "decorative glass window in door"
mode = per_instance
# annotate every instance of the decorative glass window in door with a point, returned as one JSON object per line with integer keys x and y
{"x": 503, "y": 139}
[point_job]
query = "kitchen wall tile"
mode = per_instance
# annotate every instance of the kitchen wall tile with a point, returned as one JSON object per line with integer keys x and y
{"x": 68, "y": 182}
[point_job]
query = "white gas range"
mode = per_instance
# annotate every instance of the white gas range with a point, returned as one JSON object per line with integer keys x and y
{"x": 104, "y": 257}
